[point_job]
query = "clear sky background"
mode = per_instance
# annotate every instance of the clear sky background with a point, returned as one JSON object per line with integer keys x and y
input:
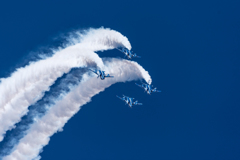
{"x": 191, "y": 50}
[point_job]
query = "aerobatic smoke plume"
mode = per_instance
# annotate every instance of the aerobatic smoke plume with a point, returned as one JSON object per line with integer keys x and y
{"x": 58, "y": 115}
{"x": 26, "y": 85}
{"x": 57, "y": 91}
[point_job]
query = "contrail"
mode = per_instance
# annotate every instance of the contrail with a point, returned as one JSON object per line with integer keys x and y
{"x": 39, "y": 134}
{"x": 27, "y": 85}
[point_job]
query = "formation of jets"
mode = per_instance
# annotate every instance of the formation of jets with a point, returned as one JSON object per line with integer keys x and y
{"x": 147, "y": 87}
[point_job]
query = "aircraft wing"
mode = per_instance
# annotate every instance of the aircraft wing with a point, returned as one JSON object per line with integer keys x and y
{"x": 139, "y": 85}
{"x": 121, "y": 50}
{"x": 120, "y": 98}
{"x": 94, "y": 71}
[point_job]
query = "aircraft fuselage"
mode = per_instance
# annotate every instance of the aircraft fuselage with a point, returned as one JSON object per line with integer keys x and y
{"x": 101, "y": 75}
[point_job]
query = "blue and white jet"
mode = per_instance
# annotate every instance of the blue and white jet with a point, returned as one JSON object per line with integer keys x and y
{"x": 128, "y": 53}
{"x": 148, "y": 88}
{"x": 129, "y": 101}
{"x": 101, "y": 74}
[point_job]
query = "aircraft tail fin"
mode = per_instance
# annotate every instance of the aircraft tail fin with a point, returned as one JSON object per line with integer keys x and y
{"x": 155, "y": 90}
{"x": 109, "y": 76}
{"x": 136, "y": 103}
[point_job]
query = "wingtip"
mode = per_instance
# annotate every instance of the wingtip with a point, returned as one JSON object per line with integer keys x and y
{"x": 137, "y": 84}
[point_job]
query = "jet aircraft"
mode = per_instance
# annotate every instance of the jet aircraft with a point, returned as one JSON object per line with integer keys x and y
{"x": 101, "y": 74}
{"x": 128, "y": 53}
{"x": 129, "y": 101}
{"x": 148, "y": 88}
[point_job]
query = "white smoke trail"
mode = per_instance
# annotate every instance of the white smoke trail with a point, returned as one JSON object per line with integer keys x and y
{"x": 40, "y": 132}
{"x": 26, "y": 85}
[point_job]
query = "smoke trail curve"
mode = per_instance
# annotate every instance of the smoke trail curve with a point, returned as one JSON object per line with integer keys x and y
{"x": 26, "y": 85}
{"x": 40, "y": 132}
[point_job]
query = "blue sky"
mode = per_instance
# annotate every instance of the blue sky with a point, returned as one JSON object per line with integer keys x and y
{"x": 191, "y": 50}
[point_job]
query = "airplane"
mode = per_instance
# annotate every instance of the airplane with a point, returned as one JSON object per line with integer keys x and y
{"x": 129, "y": 101}
{"x": 128, "y": 53}
{"x": 101, "y": 74}
{"x": 148, "y": 88}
